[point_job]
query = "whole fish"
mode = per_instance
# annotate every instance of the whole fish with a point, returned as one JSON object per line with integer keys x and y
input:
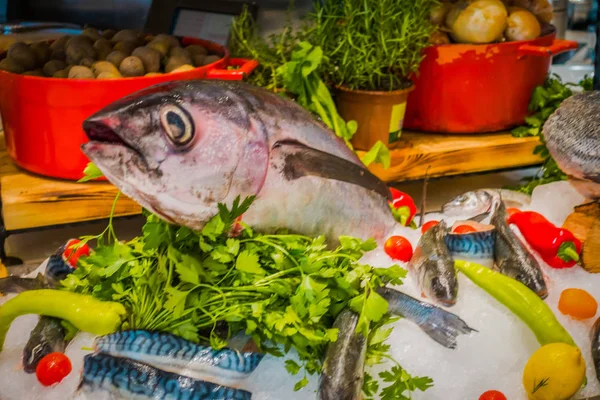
{"x": 572, "y": 136}
{"x": 479, "y": 202}
{"x": 47, "y": 337}
{"x": 180, "y": 148}
{"x": 174, "y": 354}
{"x": 512, "y": 257}
{"x": 441, "y": 325}
{"x": 111, "y": 378}
{"x": 343, "y": 369}
{"x": 434, "y": 267}
{"x": 596, "y": 347}
{"x": 17, "y": 284}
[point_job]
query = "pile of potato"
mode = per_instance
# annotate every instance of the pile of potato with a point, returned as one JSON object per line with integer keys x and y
{"x": 105, "y": 55}
{"x": 489, "y": 21}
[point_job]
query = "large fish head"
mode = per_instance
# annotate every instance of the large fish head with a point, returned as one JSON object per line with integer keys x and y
{"x": 180, "y": 148}
{"x": 468, "y": 204}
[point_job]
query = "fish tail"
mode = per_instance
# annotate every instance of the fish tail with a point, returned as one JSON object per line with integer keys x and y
{"x": 444, "y": 327}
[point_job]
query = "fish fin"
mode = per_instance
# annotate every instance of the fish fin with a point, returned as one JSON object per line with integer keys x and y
{"x": 444, "y": 327}
{"x": 480, "y": 217}
{"x": 301, "y": 160}
{"x": 424, "y": 197}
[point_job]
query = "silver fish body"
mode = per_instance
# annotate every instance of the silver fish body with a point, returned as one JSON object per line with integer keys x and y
{"x": 175, "y": 354}
{"x": 434, "y": 267}
{"x": 439, "y": 324}
{"x": 343, "y": 369}
{"x": 47, "y": 337}
{"x": 17, "y": 284}
{"x": 180, "y": 148}
{"x": 478, "y": 202}
{"x": 512, "y": 257}
{"x": 595, "y": 336}
{"x": 106, "y": 377}
{"x": 572, "y": 136}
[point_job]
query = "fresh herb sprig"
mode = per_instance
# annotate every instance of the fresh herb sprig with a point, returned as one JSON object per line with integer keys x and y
{"x": 544, "y": 101}
{"x": 284, "y": 290}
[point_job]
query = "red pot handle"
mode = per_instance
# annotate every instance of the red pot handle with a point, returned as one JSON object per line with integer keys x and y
{"x": 245, "y": 68}
{"x": 558, "y": 46}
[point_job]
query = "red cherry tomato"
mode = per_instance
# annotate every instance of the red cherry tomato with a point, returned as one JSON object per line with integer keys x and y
{"x": 428, "y": 225}
{"x": 492, "y": 395}
{"x": 71, "y": 255}
{"x": 512, "y": 211}
{"x": 464, "y": 229}
{"x": 53, "y": 368}
{"x": 398, "y": 248}
{"x": 401, "y": 199}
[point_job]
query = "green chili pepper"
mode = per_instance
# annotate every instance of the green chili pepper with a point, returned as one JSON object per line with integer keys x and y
{"x": 82, "y": 311}
{"x": 519, "y": 299}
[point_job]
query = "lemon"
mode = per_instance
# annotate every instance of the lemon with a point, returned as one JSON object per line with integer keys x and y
{"x": 555, "y": 371}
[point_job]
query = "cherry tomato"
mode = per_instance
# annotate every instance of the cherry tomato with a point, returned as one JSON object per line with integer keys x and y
{"x": 492, "y": 395}
{"x": 512, "y": 211}
{"x": 398, "y": 248}
{"x": 577, "y": 303}
{"x": 401, "y": 199}
{"x": 428, "y": 225}
{"x": 53, "y": 368}
{"x": 71, "y": 255}
{"x": 464, "y": 229}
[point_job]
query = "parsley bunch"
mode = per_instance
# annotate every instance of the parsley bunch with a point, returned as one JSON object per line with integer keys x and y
{"x": 284, "y": 290}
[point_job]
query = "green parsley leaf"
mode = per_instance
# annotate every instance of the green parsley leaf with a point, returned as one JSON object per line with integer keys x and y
{"x": 301, "y": 384}
{"x": 292, "y": 367}
{"x": 248, "y": 262}
{"x": 91, "y": 172}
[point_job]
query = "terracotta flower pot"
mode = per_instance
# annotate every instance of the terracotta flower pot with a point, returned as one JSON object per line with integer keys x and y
{"x": 379, "y": 115}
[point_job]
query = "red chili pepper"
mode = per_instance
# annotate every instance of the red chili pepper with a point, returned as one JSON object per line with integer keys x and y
{"x": 558, "y": 247}
{"x": 428, "y": 225}
{"x": 401, "y": 199}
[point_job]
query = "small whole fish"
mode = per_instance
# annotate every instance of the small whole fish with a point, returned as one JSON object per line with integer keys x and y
{"x": 17, "y": 284}
{"x": 47, "y": 337}
{"x": 572, "y": 136}
{"x": 479, "y": 202}
{"x": 180, "y": 148}
{"x": 111, "y": 378}
{"x": 343, "y": 369}
{"x": 473, "y": 246}
{"x": 595, "y": 336}
{"x": 175, "y": 354}
{"x": 441, "y": 325}
{"x": 512, "y": 257}
{"x": 434, "y": 267}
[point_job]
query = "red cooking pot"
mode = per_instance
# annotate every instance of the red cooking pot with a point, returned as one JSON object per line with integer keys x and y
{"x": 43, "y": 117}
{"x": 469, "y": 88}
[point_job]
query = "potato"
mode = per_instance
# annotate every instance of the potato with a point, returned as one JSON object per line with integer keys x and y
{"x": 11, "y": 65}
{"x": 87, "y": 62}
{"x": 52, "y": 66}
{"x": 108, "y": 33}
{"x": 478, "y": 21}
{"x": 210, "y": 59}
{"x": 103, "y": 48}
{"x": 63, "y": 73}
{"x": 42, "y": 53}
{"x": 23, "y": 55}
{"x": 438, "y": 13}
{"x": 522, "y": 25}
{"x": 79, "y": 40}
{"x": 81, "y": 72}
{"x": 194, "y": 49}
{"x": 154, "y": 74}
{"x": 439, "y": 37}
{"x": 542, "y": 9}
{"x": 126, "y": 35}
{"x": 115, "y": 58}
{"x": 185, "y": 67}
{"x": 91, "y": 33}
{"x": 176, "y": 62}
{"x": 171, "y": 40}
{"x": 132, "y": 66}
{"x": 198, "y": 59}
{"x": 125, "y": 47}
{"x": 150, "y": 58}
{"x": 108, "y": 75}
{"x": 159, "y": 45}
{"x": 104, "y": 66}
{"x": 35, "y": 72}
{"x": 76, "y": 53}
{"x": 60, "y": 43}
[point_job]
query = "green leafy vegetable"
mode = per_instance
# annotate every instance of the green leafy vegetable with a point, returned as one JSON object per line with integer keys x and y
{"x": 283, "y": 290}
{"x": 91, "y": 172}
{"x": 379, "y": 153}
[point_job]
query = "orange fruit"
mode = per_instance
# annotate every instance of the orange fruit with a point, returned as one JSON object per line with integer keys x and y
{"x": 577, "y": 303}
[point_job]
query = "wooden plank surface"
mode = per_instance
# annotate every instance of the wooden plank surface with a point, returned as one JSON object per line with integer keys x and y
{"x": 31, "y": 201}
{"x": 446, "y": 155}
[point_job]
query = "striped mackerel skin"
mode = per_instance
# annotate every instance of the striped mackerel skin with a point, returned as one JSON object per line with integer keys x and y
{"x": 166, "y": 348}
{"x": 108, "y": 377}
{"x": 476, "y": 244}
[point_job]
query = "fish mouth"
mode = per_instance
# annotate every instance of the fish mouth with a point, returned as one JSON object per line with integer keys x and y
{"x": 99, "y": 132}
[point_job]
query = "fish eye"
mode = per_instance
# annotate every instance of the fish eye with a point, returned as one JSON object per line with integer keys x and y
{"x": 177, "y": 123}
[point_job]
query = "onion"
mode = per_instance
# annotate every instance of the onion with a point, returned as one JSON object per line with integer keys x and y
{"x": 522, "y": 25}
{"x": 541, "y": 8}
{"x": 439, "y": 12}
{"x": 479, "y": 21}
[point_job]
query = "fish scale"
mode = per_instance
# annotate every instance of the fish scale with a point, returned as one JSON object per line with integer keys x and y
{"x": 109, "y": 376}
{"x": 140, "y": 344}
